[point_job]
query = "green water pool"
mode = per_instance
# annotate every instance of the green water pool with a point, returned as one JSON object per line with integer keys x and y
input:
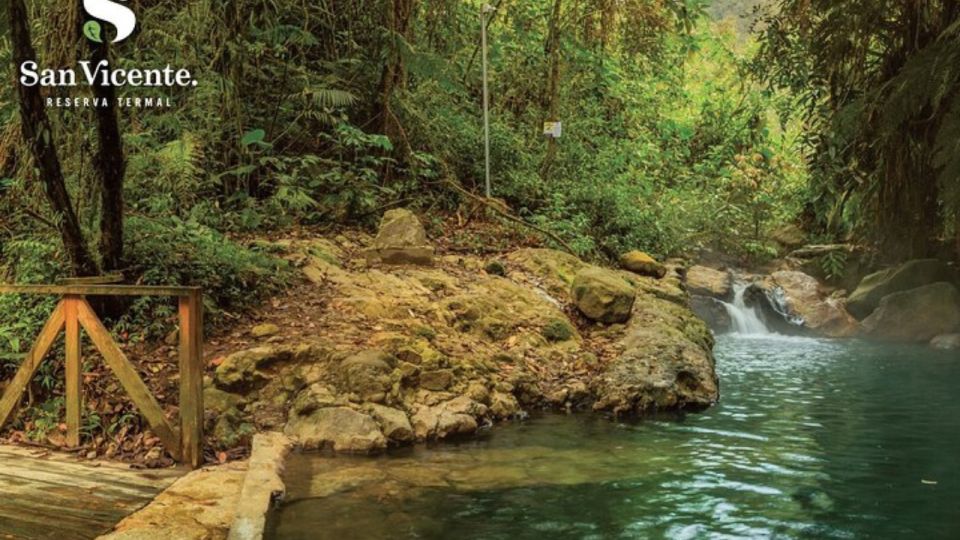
{"x": 812, "y": 439}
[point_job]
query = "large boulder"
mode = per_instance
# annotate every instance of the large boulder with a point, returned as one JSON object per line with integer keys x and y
{"x": 916, "y": 315}
{"x": 602, "y": 295}
{"x": 713, "y": 312}
{"x": 401, "y": 240}
{"x": 910, "y": 275}
{"x": 639, "y": 262}
{"x": 366, "y": 374}
{"x": 703, "y": 281}
{"x": 804, "y": 299}
{"x": 666, "y": 363}
{"x": 455, "y": 417}
{"x": 394, "y": 423}
{"x": 336, "y": 428}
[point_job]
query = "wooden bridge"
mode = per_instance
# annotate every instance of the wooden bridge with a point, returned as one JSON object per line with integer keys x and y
{"x": 48, "y": 495}
{"x": 45, "y": 496}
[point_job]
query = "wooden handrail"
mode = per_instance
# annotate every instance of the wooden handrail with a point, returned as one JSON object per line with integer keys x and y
{"x": 74, "y": 313}
{"x": 98, "y": 290}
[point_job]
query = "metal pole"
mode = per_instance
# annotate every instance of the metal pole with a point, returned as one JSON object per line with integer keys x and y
{"x": 486, "y": 96}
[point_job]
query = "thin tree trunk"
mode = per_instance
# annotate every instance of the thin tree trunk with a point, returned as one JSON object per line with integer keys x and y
{"x": 38, "y": 134}
{"x": 397, "y": 22}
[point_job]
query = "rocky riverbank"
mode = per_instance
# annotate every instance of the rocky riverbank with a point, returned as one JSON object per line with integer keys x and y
{"x": 402, "y": 345}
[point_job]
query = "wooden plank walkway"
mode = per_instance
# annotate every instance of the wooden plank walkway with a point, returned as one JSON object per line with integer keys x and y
{"x": 46, "y": 495}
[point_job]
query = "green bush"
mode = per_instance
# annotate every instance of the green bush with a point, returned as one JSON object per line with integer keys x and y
{"x": 558, "y": 330}
{"x": 28, "y": 260}
{"x": 170, "y": 251}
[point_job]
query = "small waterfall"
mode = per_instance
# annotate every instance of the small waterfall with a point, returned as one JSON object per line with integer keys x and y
{"x": 746, "y": 320}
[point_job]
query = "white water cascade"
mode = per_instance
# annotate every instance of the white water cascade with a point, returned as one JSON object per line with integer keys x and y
{"x": 746, "y": 320}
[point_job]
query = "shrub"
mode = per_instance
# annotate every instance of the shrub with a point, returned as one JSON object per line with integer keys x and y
{"x": 558, "y": 330}
{"x": 170, "y": 251}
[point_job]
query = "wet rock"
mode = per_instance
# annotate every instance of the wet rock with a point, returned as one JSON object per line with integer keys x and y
{"x": 465, "y": 405}
{"x": 805, "y": 300}
{"x": 713, "y": 312}
{"x": 703, "y": 281}
{"x": 769, "y": 300}
{"x": 337, "y": 428}
{"x": 455, "y": 417}
{"x": 916, "y": 315}
{"x": 393, "y": 422}
{"x": 451, "y": 348}
{"x": 478, "y": 392}
{"x": 264, "y": 330}
{"x": 639, "y": 262}
{"x": 503, "y": 405}
{"x": 910, "y": 275}
{"x": 667, "y": 363}
{"x": 602, "y": 295}
{"x": 262, "y": 487}
{"x": 401, "y": 240}
{"x": 946, "y": 342}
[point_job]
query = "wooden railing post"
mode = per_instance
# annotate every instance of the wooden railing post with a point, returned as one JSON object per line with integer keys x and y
{"x": 191, "y": 378}
{"x": 74, "y": 313}
{"x": 73, "y": 370}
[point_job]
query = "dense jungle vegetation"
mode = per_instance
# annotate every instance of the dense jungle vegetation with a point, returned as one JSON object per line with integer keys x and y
{"x": 685, "y": 126}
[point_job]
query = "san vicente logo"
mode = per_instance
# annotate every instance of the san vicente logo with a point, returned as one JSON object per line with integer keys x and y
{"x": 103, "y": 14}
{"x": 121, "y": 17}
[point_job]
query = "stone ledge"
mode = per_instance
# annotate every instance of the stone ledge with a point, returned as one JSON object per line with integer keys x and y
{"x": 262, "y": 485}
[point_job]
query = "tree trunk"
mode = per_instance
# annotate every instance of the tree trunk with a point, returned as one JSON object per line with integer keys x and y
{"x": 38, "y": 134}
{"x": 397, "y": 23}
{"x": 110, "y": 167}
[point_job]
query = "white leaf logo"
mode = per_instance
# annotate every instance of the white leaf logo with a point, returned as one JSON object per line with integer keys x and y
{"x": 120, "y": 16}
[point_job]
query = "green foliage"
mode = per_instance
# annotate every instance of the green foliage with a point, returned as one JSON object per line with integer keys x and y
{"x": 27, "y": 260}
{"x": 171, "y": 251}
{"x": 834, "y": 264}
{"x": 878, "y": 92}
{"x": 46, "y": 417}
{"x": 558, "y": 330}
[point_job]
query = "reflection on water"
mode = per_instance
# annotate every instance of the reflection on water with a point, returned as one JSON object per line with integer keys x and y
{"x": 813, "y": 439}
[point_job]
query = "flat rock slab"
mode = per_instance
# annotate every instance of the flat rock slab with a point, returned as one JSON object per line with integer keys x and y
{"x": 47, "y": 495}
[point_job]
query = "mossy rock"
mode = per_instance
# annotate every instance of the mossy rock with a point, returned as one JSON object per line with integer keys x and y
{"x": 639, "y": 262}
{"x": 602, "y": 295}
